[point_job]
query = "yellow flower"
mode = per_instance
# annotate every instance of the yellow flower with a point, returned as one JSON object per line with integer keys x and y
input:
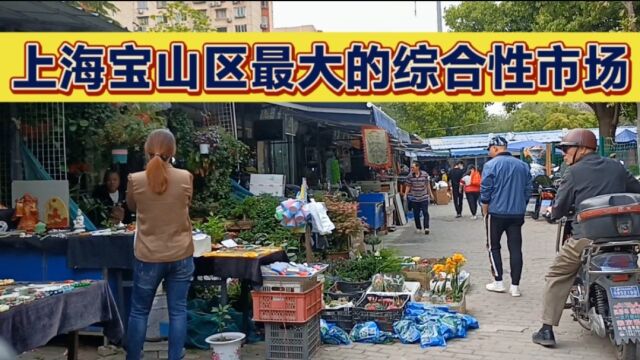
{"x": 438, "y": 268}
{"x": 450, "y": 268}
{"x": 459, "y": 258}
{"x": 451, "y": 262}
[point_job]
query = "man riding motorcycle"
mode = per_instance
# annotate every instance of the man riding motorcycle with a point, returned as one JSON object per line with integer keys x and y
{"x": 587, "y": 175}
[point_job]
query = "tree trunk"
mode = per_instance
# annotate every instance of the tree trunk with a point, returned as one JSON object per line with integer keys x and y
{"x": 631, "y": 12}
{"x": 608, "y": 116}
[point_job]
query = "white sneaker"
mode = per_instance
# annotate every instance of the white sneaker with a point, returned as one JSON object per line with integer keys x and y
{"x": 515, "y": 291}
{"x": 475, "y": 217}
{"x": 496, "y": 286}
{"x": 418, "y": 231}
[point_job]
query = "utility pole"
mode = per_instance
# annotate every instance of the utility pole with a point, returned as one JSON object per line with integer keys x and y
{"x": 439, "y": 11}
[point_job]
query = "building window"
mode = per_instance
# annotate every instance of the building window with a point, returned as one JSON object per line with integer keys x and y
{"x": 241, "y": 12}
{"x": 203, "y": 12}
{"x": 241, "y": 28}
{"x": 264, "y": 4}
{"x": 143, "y": 20}
{"x": 142, "y": 5}
{"x": 221, "y": 14}
{"x": 161, "y": 4}
{"x": 160, "y": 19}
{"x": 265, "y": 20}
{"x": 221, "y": 29}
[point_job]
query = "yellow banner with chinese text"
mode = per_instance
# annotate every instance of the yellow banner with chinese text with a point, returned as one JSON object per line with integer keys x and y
{"x": 320, "y": 67}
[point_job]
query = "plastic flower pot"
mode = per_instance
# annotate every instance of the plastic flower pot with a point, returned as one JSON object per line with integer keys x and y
{"x": 204, "y": 149}
{"x": 119, "y": 155}
{"x": 225, "y": 346}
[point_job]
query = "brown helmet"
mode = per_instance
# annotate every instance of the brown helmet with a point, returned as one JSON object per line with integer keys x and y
{"x": 579, "y": 137}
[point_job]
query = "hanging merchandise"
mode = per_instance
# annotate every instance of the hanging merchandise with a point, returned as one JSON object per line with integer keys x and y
{"x": 320, "y": 220}
{"x": 377, "y": 149}
{"x": 293, "y": 213}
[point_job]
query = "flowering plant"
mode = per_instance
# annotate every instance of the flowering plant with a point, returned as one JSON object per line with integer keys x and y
{"x": 448, "y": 274}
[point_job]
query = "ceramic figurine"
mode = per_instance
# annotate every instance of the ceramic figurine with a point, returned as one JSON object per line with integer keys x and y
{"x": 78, "y": 223}
{"x": 27, "y": 212}
{"x": 57, "y": 214}
{"x": 40, "y": 228}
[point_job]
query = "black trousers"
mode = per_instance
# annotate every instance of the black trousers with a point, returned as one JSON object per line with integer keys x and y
{"x": 457, "y": 198}
{"x": 495, "y": 227}
{"x": 419, "y": 207}
{"x": 472, "y": 199}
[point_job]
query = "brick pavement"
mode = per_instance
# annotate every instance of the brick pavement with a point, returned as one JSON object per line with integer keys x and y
{"x": 506, "y": 323}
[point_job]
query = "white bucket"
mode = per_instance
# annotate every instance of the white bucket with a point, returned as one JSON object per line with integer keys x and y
{"x": 228, "y": 349}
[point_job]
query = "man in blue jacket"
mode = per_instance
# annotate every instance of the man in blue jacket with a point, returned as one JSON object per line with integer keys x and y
{"x": 504, "y": 193}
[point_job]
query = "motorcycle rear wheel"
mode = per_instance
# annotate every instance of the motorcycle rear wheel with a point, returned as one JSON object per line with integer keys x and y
{"x": 627, "y": 351}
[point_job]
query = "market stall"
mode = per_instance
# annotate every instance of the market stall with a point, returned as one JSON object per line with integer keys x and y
{"x": 57, "y": 309}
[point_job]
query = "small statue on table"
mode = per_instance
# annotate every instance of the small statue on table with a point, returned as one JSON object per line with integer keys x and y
{"x": 27, "y": 212}
{"x": 78, "y": 223}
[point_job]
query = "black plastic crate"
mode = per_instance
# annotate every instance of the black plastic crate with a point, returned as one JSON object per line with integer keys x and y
{"x": 384, "y": 318}
{"x": 342, "y": 317}
{"x": 298, "y": 342}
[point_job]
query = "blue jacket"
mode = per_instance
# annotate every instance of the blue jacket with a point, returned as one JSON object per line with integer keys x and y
{"x": 506, "y": 186}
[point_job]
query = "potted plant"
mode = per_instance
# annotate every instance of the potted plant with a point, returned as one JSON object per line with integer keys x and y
{"x": 224, "y": 345}
{"x": 208, "y": 139}
{"x": 128, "y": 129}
{"x": 449, "y": 289}
{"x": 214, "y": 227}
{"x": 344, "y": 216}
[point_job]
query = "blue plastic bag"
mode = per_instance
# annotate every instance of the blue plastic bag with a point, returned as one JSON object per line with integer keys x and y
{"x": 333, "y": 335}
{"x": 370, "y": 333}
{"x": 472, "y": 322}
{"x": 430, "y": 335}
{"x": 406, "y": 331}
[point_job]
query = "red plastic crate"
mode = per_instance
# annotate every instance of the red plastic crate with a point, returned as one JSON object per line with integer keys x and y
{"x": 287, "y": 307}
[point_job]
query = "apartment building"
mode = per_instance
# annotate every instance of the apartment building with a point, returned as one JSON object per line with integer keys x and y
{"x": 225, "y": 16}
{"x": 301, "y": 28}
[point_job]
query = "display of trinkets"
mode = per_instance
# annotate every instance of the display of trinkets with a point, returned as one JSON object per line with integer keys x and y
{"x": 14, "y": 294}
{"x": 5, "y": 282}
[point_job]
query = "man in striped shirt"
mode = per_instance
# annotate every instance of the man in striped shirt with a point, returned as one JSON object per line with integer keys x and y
{"x": 418, "y": 192}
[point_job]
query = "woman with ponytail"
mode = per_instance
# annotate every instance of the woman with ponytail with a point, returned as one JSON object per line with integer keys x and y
{"x": 163, "y": 246}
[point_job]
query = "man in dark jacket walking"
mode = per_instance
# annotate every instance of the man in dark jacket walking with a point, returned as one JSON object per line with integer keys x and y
{"x": 504, "y": 193}
{"x": 454, "y": 184}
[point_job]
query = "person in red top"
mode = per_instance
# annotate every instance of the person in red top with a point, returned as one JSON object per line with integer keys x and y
{"x": 470, "y": 184}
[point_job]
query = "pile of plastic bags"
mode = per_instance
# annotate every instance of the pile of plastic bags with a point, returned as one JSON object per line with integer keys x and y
{"x": 428, "y": 325}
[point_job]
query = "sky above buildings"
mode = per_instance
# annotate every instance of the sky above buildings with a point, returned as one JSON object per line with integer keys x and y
{"x": 365, "y": 16}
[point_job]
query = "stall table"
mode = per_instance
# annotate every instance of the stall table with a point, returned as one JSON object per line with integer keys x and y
{"x": 34, "y": 324}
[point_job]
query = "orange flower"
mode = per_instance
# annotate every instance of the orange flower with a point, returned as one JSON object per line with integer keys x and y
{"x": 459, "y": 258}
{"x": 438, "y": 268}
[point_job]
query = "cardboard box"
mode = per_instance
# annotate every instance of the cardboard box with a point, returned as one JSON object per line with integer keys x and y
{"x": 442, "y": 197}
{"x": 423, "y": 277}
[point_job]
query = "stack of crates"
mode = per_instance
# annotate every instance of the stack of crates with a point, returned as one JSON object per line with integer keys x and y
{"x": 290, "y": 308}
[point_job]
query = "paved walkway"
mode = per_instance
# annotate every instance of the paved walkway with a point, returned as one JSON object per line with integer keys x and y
{"x": 506, "y": 323}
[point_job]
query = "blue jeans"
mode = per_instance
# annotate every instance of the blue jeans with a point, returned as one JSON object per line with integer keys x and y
{"x": 146, "y": 278}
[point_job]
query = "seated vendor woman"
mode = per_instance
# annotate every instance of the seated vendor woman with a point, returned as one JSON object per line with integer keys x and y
{"x": 110, "y": 195}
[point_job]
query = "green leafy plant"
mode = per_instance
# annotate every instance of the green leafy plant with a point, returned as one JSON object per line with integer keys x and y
{"x": 214, "y": 227}
{"x": 364, "y": 267}
{"x": 221, "y": 315}
{"x": 130, "y": 126}
{"x": 181, "y": 125}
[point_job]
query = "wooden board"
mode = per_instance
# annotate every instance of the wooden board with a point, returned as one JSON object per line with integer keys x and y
{"x": 400, "y": 210}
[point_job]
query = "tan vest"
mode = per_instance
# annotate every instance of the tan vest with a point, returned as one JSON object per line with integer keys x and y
{"x": 163, "y": 226}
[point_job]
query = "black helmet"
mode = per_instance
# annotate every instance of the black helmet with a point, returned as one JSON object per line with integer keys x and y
{"x": 497, "y": 141}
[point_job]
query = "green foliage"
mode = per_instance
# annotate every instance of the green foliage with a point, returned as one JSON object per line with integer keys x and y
{"x": 634, "y": 169}
{"x": 363, "y": 268}
{"x": 104, "y": 8}
{"x": 130, "y": 126}
{"x": 438, "y": 119}
{"x": 180, "y": 17}
{"x": 214, "y": 170}
{"x": 221, "y": 316}
{"x": 214, "y": 227}
{"x": 181, "y": 125}
{"x": 551, "y": 116}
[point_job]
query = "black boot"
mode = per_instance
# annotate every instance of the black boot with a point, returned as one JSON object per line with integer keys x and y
{"x": 544, "y": 336}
